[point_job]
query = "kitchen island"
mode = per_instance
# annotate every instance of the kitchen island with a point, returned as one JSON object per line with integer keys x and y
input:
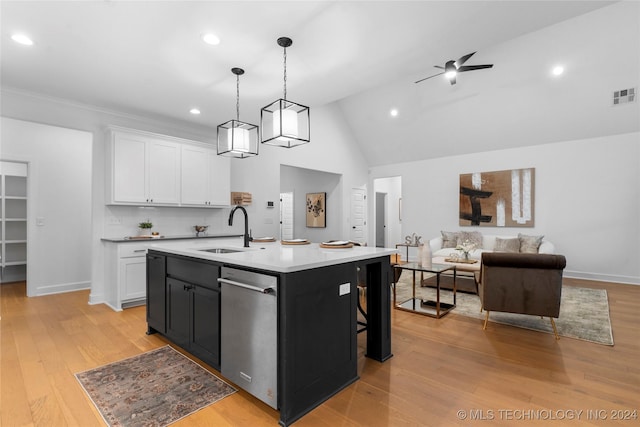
{"x": 315, "y": 294}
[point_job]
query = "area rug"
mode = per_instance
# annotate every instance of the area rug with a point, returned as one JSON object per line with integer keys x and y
{"x": 155, "y": 388}
{"x": 584, "y": 312}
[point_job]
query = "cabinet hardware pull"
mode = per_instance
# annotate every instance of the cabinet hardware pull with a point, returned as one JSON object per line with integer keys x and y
{"x": 139, "y": 250}
{"x": 246, "y": 286}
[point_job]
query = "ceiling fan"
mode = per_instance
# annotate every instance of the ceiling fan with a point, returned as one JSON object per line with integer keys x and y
{"x": 452, "y": 68}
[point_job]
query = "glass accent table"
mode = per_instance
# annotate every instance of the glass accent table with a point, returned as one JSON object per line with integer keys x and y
{"x": 430, "y": 308}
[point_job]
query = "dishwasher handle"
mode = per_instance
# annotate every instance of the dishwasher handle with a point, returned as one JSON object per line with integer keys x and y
{"x": 246, "y": 286}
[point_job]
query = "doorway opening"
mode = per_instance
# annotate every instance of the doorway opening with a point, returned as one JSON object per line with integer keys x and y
{"x": 388, "y": 211}
{"x": 13, "y": 224}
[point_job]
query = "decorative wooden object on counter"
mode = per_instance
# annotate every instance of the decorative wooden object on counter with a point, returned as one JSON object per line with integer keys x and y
{"x": 295, "y": 242}
{"x": 336, "y": 244}
{"x": 240, "y": 198}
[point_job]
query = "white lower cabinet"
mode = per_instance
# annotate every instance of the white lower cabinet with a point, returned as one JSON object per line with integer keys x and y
{"x": 126, "y": 274}
{"x": 132, "y": 278}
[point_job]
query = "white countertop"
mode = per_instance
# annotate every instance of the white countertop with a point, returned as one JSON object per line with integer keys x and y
{"x": 166, "y": 238}
{"x": 273, "y": 256}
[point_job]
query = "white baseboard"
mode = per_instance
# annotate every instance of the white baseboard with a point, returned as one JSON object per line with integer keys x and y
{"x": 629, "y": 280}
{"x": 60, "y": 288}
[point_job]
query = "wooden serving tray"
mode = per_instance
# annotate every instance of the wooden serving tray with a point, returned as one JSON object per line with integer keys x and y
{"x": 461, "y": 261}
{"x": 263, "y": 240}
{"x": 285, "y": 242}
{"x": 346, "y": 246}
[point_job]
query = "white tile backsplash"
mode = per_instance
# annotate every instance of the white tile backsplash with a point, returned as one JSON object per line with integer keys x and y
{"x": 122, "y": 221}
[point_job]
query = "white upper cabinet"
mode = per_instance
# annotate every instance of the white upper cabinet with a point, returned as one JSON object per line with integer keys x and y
{"x": 205, "y": 177}
{"x": 164, "y": 172}
{"x": 220, "y": 179}
{"x": 148, "y": 169}
{"x": 129, "y": 182}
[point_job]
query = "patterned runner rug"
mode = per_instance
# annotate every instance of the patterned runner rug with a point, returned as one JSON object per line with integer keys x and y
{"x": 155, "y": 388}
{"x": 584, "y": 312}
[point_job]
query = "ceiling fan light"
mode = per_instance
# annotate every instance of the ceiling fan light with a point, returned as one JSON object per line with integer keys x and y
{"x": 450, "y": 74}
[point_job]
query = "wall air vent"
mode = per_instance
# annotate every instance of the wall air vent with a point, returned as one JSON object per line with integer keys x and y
{"x": 624, "y": 96}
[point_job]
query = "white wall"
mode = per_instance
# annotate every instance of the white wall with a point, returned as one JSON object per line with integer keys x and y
{"x": 59, "y": 195}
{"x": 587, "y": 200}
{"x": 300, "y": 181}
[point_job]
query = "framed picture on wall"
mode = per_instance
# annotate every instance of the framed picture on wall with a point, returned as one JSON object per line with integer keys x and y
{"x": 316, "y": 210}
{"x": 498, "y": 198}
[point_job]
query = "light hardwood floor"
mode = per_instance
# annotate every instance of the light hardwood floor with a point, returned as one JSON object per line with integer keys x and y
{"x": 442, "y": 370}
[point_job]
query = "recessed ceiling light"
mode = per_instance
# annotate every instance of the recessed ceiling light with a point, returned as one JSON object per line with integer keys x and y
{"x": 194, "y": 111}
{"x": 22, "y": 39}
{"x": 393, "y": 112}
{"x": 557, "y": 70}
{"x": 211, "y": 39}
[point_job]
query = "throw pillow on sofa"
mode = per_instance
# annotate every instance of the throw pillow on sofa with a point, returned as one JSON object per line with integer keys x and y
{"x": 529, "y": 244}
{"x": 507, "y": 245}
{"x": 449, "y": 239}
{"x": 473, "y": 237}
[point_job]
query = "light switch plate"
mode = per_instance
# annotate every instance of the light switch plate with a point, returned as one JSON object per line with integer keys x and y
{"x": 345, "y": 289}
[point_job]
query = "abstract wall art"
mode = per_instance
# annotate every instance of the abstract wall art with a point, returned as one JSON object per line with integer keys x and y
{"x": 316, "y": 210}
{"x": 498, "y": 198}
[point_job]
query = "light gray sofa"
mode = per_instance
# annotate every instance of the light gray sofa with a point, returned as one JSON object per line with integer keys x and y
{"x": 492, "y": 243}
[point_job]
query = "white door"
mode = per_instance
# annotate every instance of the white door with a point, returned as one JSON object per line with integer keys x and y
{"x": 286, "y": 216}
{"x": 358, "y": 214}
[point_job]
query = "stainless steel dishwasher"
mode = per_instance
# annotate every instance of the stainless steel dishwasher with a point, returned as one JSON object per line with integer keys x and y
{"x": 249, "y": 335}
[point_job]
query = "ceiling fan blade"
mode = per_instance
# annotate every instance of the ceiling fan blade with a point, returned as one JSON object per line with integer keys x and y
{"x": 435, "y": 75}
{"x": 438, "y": 66}
{"x": 473, "y": 67}
{"x": 464, "y": 59}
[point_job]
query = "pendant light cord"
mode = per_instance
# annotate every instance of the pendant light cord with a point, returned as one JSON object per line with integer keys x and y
{"x": 238, "y": 97}
{"x": 285, "y": 72}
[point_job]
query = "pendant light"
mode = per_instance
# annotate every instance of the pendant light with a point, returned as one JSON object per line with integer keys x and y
{"x": 284, "y": 123}
{"x": 236, "y": 138}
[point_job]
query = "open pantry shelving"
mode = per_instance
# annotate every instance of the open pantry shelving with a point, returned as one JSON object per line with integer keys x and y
{"x": 13, "y": 221}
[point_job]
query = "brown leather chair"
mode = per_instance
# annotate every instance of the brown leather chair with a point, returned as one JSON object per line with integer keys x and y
{"x": 522, "y": 283}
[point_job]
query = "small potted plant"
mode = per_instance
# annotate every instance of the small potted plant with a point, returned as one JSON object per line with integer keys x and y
{"x": 145, "y": 227}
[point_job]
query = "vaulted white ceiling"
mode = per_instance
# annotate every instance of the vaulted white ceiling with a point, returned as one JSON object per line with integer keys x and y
{"x": 147, "y": 58}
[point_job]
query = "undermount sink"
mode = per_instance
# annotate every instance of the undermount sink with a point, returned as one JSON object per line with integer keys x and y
{"x": 221, "y": 250}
